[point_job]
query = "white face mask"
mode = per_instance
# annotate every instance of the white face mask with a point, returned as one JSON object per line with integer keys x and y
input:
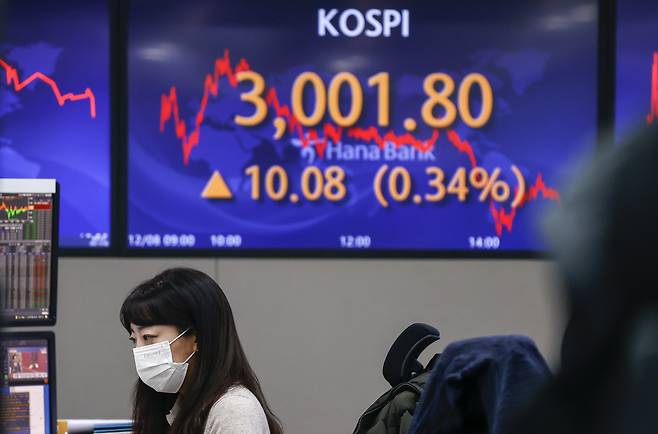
{"x": 157, "y": 369}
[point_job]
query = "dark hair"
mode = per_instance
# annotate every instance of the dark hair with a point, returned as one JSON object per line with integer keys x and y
{"x": 187, "y": 298}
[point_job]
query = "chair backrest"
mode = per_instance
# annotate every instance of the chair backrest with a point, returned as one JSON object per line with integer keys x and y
{"x": 401, "y": 362}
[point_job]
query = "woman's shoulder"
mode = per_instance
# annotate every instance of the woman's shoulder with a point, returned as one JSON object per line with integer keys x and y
{"x": 238, "y": 395}
{"x": 237, "y": 411}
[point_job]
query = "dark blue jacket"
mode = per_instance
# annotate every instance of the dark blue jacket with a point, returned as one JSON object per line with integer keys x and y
{"x": 478, "y": 385}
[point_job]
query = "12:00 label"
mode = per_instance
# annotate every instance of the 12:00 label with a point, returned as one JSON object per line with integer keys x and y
{"x": 355, "y": 241}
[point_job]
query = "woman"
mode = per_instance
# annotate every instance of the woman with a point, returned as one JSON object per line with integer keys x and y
{"x": 194, "y": 375}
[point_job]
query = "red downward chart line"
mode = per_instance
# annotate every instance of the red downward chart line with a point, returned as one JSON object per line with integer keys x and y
{"x": 653, "y": 112}
{"x": 169, "y": 110}
{"x": 334, "y": 133}
{"x": 11, "y": 77}
{"x": 502, "y": 218}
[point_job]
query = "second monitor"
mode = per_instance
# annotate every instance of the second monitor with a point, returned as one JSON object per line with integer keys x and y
{"x": 28, "y": 258}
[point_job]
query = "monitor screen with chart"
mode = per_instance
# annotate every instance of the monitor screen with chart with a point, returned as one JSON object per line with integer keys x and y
{"x": 55, "y": 108}
{"x": 636, "y": 92}
{"x": 28, "y": 256}
{"x": 412, "y": 127}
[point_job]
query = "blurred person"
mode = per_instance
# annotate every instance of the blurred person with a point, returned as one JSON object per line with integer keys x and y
{"x": 606, "y": 238}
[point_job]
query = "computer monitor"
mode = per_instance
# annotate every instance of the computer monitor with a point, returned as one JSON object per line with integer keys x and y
{"x": 28, "y": 253}
{"x": 27, "y": 400}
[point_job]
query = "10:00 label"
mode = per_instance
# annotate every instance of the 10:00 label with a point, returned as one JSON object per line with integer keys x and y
{"x": 220, "y": 240}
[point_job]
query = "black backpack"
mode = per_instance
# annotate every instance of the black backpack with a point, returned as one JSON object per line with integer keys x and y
{"x": 393, "y": 411}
